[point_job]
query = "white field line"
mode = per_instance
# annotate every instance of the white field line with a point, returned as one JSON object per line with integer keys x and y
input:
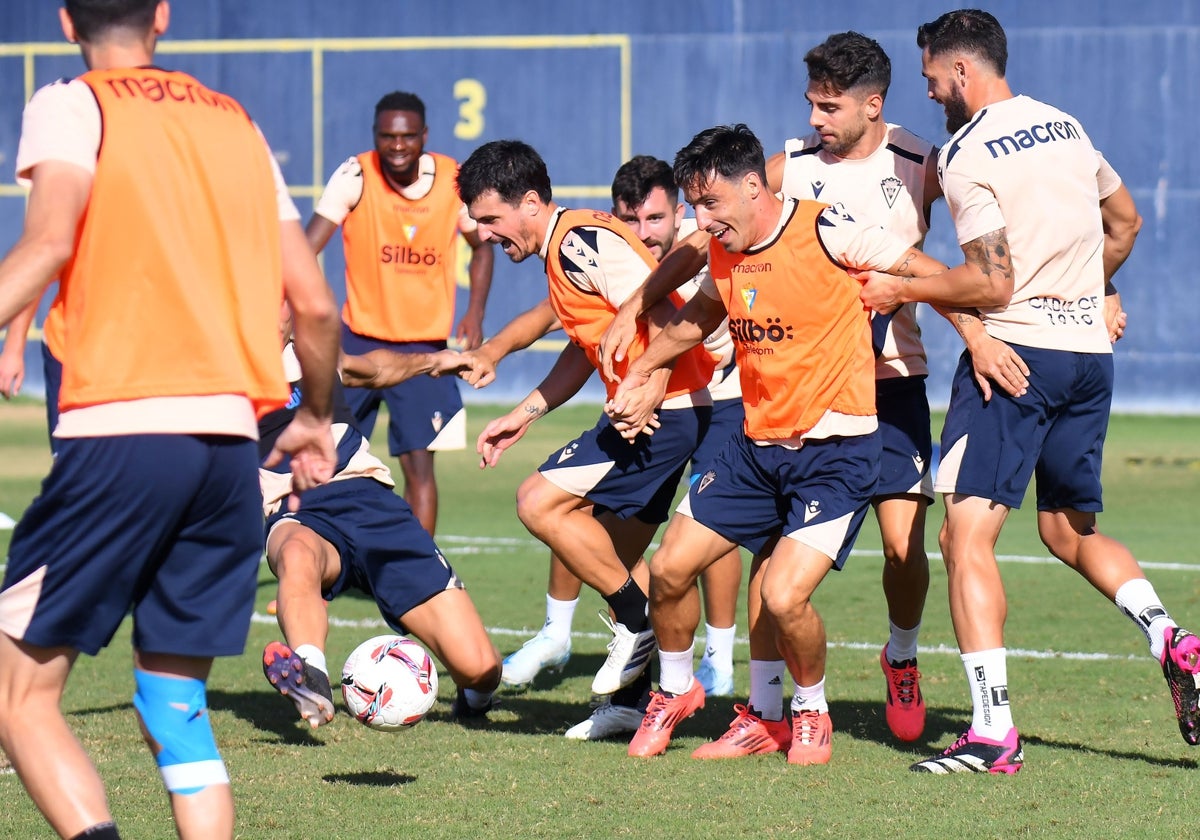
{"x": 496, "y": 545}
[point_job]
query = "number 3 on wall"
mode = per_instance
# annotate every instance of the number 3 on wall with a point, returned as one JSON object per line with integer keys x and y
{"x": 472, "y": 97}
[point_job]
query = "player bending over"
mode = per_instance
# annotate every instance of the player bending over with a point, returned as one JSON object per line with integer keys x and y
{"x": 357, "y": 533}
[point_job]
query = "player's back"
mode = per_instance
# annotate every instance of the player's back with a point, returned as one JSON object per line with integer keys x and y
{"x": 1042, "y": 169}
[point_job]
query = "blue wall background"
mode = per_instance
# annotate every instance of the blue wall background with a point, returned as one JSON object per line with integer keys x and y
{"x": 590, "y": 83}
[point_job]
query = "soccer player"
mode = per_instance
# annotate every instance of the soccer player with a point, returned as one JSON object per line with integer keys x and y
{"x": 573, "y": 502}
{"x": 1044, "y": 222}
{"x": 645, "y": 197}
{"x": 173, "y": 242}
{"x": 356, "y": 533}
{"x": 884, "y": 175}
{"x": 794, "y": 487}
{"x": 400, "y": 220}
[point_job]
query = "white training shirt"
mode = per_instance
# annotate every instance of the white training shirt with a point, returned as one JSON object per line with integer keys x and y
{"x": 61, "y": 122}
{"x": 1029, "y": 168}
{"x": 885, "y": 188}
{"x": 345, "y": 187}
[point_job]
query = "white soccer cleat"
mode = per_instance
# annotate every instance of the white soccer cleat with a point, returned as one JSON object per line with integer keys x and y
{"x": 628, "y": 655}
{"x": 606, "y": 721}
{"x": 716, "y": 683}
{"x": 541, "y": 653}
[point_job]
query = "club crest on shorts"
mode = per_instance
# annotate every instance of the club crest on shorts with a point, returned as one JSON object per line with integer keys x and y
{"x": 437, "y": 420}
{"x": 705, "y": 480}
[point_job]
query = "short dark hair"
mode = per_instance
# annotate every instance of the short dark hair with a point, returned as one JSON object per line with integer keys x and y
{"x": 399, "y": 100}
{"x": 728, "y": 151}
{"x": 638, "y": 176}
{"x": 848, "y": 60}
{"x": 971, "y": 31}
{"x": 93, "y": 18}
{"x": 509, "y": 167}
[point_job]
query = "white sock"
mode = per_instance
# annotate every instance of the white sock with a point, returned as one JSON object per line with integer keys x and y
{"x": 810, "y": 698}
{"x": 559, "y": 615}
{"x": 766, "y": 687}
{"x": 314, "y": 656}
{"x": 718, "y": 647}
{"x": 675, "y": 670}
{"x": 1138, "y": 600}
{"x": 902, "y": 644}
{"x": 987, "y": 675}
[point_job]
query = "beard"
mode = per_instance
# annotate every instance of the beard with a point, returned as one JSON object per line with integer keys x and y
{"x": 957, "y": 114}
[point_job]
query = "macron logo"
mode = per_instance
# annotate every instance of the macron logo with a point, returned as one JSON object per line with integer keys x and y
{"x": 919, "y": 462}
{"x": 812, "y": 510}
{"x": 568, "y": 453}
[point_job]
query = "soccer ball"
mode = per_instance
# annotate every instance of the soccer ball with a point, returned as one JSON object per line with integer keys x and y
{"x": 389, "y": 683}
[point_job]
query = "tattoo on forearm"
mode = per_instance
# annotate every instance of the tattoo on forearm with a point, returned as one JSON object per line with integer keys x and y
{"x": 904, "y": 266}
{"x": 535, "y": 410}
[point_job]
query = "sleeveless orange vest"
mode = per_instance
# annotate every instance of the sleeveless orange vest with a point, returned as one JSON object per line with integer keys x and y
{"x": 400, "y": 257}
{"x": 586, "y": 315}
{"x": 802, "y": 338}
{"x": 53, "y": 329}
{"x": 176, "y": 281}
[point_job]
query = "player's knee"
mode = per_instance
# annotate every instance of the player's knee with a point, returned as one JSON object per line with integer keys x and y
{"x": 175, "y": 723}
{"x": 297, "y": 559}
{"x": 670, "y": 577}
{"x": 783, "y": 601}
{"x": 533, "y": 505}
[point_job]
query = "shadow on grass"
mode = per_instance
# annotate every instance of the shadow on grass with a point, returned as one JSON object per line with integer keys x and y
{"x": 369, "y": 779}
{"x": 267, "y": 712}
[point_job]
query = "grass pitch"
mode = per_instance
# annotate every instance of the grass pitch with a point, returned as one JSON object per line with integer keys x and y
{"x": 1103, "y": 753}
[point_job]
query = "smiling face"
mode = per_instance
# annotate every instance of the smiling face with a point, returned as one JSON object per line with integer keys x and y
{"x": 507, "y": 225}
{"x": 400, "y": 140}
{"x": 942, "y": 75}
{"x": 655, "y": 221}
{"x": 724, "y": 209}
{"x": 841, "y": 119}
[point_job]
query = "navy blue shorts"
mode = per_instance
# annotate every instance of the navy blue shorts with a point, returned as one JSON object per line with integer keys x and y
{"x": 385, "y": 552}
{"x": 630, "y": 479}
{"x": 817, "y": 494}
{"x": 52, "y": 375}
{"x": 425, "y": 412}
{"x": 1055, "y": 431}
{"x": 169, "y": 526}
{"x": 907, "y": 442}
{"x": 728, "y": 419}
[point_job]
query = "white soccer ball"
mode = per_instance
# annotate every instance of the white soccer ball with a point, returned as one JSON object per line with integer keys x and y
{"x": 389, "y": 683}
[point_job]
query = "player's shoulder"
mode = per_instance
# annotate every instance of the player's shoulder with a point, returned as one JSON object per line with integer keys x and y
{"x": 901, "y": 140}
{"x": 351, "y": 167}
{"x": 64, "y": 90}
{"x": 803, "y": 146}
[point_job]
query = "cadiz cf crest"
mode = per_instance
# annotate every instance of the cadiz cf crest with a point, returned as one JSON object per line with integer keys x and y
{"x": 411, "y": 231}
{"x": 891, "y": 187}
{"x": 437, "y": 421}
{"x": 748, "y": 295}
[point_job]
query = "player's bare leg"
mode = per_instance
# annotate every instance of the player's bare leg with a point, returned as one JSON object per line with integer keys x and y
{"x": 304, "y": 563}
{"x": 50, "y": 761}
{"x": 449, "y": 625}
{"x": 420, "y": 486}
{"x": 905, "y": 586}
{"x": 207, "y": 813}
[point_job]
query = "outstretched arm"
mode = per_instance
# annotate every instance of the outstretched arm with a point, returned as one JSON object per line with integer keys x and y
{"x": 562, "y": 382}
{"x": 479, "y": 366}
{"x": 679, "y": 265}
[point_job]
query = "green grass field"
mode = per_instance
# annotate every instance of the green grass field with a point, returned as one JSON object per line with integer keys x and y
{"x": 1103, "y": 753}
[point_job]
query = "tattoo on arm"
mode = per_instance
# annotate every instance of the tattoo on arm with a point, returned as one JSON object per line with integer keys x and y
{"x": 536, "y": 411}
{"x": 990, "y": 254}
